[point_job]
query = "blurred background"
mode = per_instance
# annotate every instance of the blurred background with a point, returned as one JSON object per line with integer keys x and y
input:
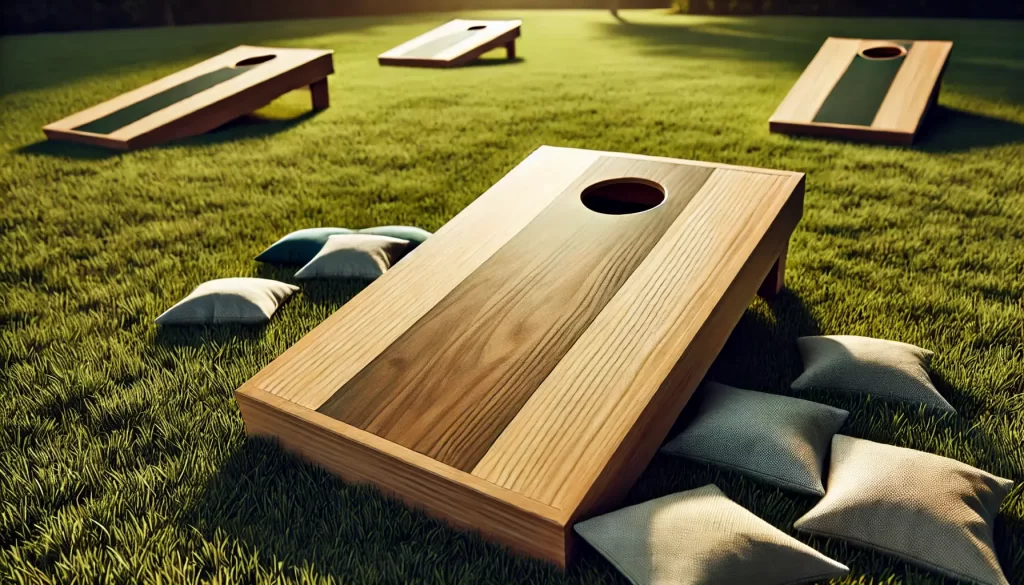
{"x": 31, "y": 16}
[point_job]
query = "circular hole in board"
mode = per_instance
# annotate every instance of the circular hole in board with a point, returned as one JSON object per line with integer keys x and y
{"x": 477, "y": 27}
{"x": 883, "y": 52}
{"x": 254, "y": 60}
{"x": 623, "y": 196}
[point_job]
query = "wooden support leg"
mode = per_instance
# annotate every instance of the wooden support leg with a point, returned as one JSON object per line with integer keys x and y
{"x": 775, "y": 280}
{"x": 321, "y": 99}
{"x": 510, "y": 49}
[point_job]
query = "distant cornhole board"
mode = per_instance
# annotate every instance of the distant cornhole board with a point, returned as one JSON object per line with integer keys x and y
{"x": 871, "y": 90}
{"x": 518, "y": 371}
{"x": 200, "y": 98}
{"x": 455, "y": 43}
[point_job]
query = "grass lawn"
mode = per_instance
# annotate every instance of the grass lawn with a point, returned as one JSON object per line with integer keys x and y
{"x": 122, "y": 451}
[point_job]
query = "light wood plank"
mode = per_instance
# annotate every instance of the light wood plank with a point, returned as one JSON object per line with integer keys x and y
{"x": 914, "y": 88}
{"x": 845, "y": 131}
{"x": 568, "y": 430}
{"x": 641, "y": 442}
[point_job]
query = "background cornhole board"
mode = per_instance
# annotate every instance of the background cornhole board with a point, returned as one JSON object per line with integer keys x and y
{"x": 844, "y": 94}
{"x": 455, "y": 43}
{"x": 518, "y": 370}
{"x": 200, "y": 98}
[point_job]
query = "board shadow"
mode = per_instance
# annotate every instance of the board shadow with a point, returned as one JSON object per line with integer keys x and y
{"x": 29, "y": 62}
{"x": 761, "y": 352}
{"x": 72, "y": 150}
{"x": 297, "y": 517}
{"x": 242, "y": 128}
{"x": 174, "y": 336}
{"x": 979, "y": 65}
{"x": 952, "y": 130}
{"x": 493, "y": 61}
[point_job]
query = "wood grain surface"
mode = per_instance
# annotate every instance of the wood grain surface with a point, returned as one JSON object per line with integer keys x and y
{"x": 900, "y": 113}
{"x": 203, "y": 111}
{"x": 449, "y": 385}
{"x": 915, "y": 88}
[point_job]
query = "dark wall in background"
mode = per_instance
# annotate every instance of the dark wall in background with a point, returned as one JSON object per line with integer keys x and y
{"x": 911, "y": 8}
{"x": 28, "y": 16}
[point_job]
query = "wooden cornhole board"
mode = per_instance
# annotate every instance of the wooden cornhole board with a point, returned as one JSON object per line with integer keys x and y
{"x": 200, "y": 98}
{"x": 454, "y": 44}
{"x": 518, "y": 370}
{"x": 871, "y": 90}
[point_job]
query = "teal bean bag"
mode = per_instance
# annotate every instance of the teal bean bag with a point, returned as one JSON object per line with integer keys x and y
{"x": 299, "y": 247}
{"x": 414, "y": 235}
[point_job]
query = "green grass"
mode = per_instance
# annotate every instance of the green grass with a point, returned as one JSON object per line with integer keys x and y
{"x": 122, "y": 451}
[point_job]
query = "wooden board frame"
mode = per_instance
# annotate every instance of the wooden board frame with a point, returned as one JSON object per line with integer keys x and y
{"x": 201, "y": 112}
{"x": 594, "y": 421}
{"x": 907, "y": 99}
{"x": 498, "y": 33}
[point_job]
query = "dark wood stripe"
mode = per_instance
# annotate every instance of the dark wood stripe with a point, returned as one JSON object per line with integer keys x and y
{"x": 451, "y": 383}
{"x": 859, "y": 93}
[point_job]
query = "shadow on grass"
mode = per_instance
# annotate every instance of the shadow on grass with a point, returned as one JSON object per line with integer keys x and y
{"x": 493, "y": 61}
{"x": 252, "y": 125}
{"x": 39, "y": 61}
{"x": 981, "y": 64}
{"x": 952, "y": 130}
{"x": 333, "y": 293}
{"x": 715, "y": 39}
{"x": 59, "y": 149}
{"x": 171, "y": 336}
{"x": 949, "y": 130}
{"x": 300, "y": 518}
{"x": 275, "y": 272}
{"x": 761, "y": 352}
{"x": 241, "y": 128}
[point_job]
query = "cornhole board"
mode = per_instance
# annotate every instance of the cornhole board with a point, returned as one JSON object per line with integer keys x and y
{"x": 454, "y": 44}
{"x": 859, "y": 89}
{"x": 200, "y": 98}
{"x": 517, "y": 371}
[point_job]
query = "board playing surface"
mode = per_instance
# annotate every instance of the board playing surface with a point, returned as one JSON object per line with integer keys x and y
{"x": 199, "y": 98}
{"x": 517, "y": 371}
{"x": 454, "y": 43}
{"x": 874, "y": 90}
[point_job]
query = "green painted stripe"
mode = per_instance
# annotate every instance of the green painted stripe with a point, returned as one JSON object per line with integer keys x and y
{"x": 432, "y": 48}
{"x": 121, "y": 118}
{"x": 860, "y": 91}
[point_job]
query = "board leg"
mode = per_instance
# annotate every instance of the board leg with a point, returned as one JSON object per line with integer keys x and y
{"x": 321, "y": 98}
{"x": 510, "y": 50}
{"x": 775, "y": 279}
